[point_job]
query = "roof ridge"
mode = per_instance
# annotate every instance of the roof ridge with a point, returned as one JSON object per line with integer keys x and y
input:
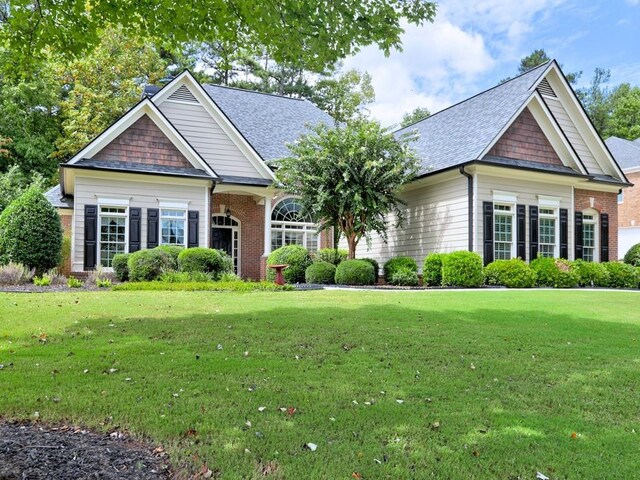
{"x": 477, "y": 95}
{"x": 252, "y": 91}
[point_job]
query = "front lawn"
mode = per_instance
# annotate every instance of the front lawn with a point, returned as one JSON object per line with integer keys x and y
{"x": 430, "y": 384}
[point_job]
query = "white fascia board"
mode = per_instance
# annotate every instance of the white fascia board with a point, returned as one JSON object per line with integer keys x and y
{"x": 185, "y": 78}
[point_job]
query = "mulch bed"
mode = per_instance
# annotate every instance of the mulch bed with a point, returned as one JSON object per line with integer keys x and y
{"x": 33, "y": 451}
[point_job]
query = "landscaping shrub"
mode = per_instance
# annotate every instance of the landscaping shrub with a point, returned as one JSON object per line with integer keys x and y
{"x": 73, "y": 282}
{"x": 200, "y": 259}
{"x": 182, "y": 277}
{"x": 556, "y": 273}
{"x": 52, "y": 277}
{"x": 376, "y": 267}
{"x": 331, "y": 255}
{"x": 462, "y": 269}
{"x": 320, "y": 272}
{"x": 298, "y": 259}
{"x": 432, "y": 269}
{"x": 405, "y": 277}
{"x": 621, "y": 275}
{"x": 355, "y": 272}
{"x": 392, "y": 266}
{"x": 103, "y": 283}
{"x": 120, "y": 264}
{"x": 15, "y": 274}
{"x": 632, "y": 257}
{"x": 148, "y": 265}
{"x": 173, "y": 251}
{"x": 43, "y": 281}
{"x": 514, "y": 273}
{"x": 30, "y": 232}
{"x": 228, "y": 268}
{"x": 65, "y": 252}
{"x": 591, "y": 274}
{"x": 99, "y": 275}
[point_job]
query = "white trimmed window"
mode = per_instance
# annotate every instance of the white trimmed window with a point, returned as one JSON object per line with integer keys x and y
{"x": 173, "y": 226}
{"x": 589, "y": 238}
{"x": 548, "y": 232}
{"x": 113, "y": 233}
{"x": 621, "y": 197}
{"x": 503, "y": 222}
{"x": 290, "y": 227}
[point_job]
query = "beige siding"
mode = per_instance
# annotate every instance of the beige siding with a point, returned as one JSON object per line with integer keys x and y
{"x": 527, "y": 194}
{"x": 140, "y": 194}
{"x": 208, "y": 139}
{"x": 573, "y": 135}
{"x": 436, "y": 220}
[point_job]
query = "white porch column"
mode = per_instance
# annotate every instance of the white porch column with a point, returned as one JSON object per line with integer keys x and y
{"x": 267, "y": 225}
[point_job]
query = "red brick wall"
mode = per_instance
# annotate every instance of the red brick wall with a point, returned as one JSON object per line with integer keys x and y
{"x": 143, "y": 142}
{"x": 251, "y": 217}
{"x": 629, "y": 209}
{"x": 525, "y": 140}
{"x": 603, "y": 202}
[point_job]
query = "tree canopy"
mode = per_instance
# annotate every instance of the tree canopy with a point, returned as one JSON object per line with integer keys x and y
{"x": 417, "y": 114}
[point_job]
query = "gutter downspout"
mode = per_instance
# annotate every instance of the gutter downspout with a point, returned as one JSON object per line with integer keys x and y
{"x": 470, "y": 197}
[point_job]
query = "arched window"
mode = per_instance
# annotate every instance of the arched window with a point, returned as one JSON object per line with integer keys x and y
{"x": 290, "y": 227}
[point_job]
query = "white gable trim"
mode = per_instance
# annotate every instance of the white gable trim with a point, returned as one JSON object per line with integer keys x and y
{"x": 185, "y": 78}
{"x": 145, "y": 107}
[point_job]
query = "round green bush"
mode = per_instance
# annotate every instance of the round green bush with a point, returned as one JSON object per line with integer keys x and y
{"x": 405, "y": 277}
{"x": 392, "y": 266}
{"x": 621, "y": 275}
{"x": 320, "y": 272}
{"x": 556, "y": 273}
{"x": 632, "y": 257}
{"x": 201, "y": 259}
{"x": 462, "y": 269}
{"x": 120, "y": 266}
{"x": 30, "y": 232}
{"x": 514, "y": 273}
{"x": 298, "y": 259}
{"x": 591, "y": 274}
{"x": 355, "y": 272}
{"x": 376, "y": 266}
{"x": 173, "y": 251}
{"x": 331, "y": 255}
{"x": 148, "y": 265}
{"x": 432, "y": 269}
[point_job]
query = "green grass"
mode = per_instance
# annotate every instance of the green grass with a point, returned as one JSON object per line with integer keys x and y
{"x": 218, "y": 286}
{"x": 509, "y": 377}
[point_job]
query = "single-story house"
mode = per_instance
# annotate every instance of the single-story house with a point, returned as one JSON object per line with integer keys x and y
{"x": 515, "y": 171}
{"x": 627, "y": 154}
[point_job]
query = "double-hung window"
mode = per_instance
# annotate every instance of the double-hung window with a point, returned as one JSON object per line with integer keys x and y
{"x": 589, "y": 237}
{"x": 503, "y": 221}
{"x": 173, "y": 226}
{"x": 113, "y": 233}
{"x": 548, "y": 232}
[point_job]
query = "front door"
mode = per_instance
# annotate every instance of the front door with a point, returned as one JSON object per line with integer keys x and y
{"x": 222, "y": 239}
{"x": 225, "y": 236}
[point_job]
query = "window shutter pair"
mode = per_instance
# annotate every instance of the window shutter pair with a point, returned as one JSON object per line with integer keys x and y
{"x": 91, "y": 234}
{"x": 153, "y": 217}
{"x": 520, "y": 224}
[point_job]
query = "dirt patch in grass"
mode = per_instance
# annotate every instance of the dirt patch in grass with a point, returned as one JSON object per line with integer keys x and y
{"x": 40, "y": 452}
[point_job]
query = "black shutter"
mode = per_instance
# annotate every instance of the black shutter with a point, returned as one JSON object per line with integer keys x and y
{"x": 533, "y": 232}
{"x": 135, "y": 215}
{"x": 152, "y": 227}
{"x": 521, "y": 222}
{"x": 193, "y": 229}
{"x": 487, "y": 215}
{"x": 578, "y": 236}
{"x": 90, "y": 236}
{"x": 564, "y": 233}
{"x": 604, "y": 237}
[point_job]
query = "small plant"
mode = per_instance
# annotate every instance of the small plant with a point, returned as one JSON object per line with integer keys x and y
{"x": 513, "y": 273}
{"x": 462, "y": 269}
{"x": 99, "y": 275}
{"x": 200, "y": 259}
{"x": 632, "y": 257}
{"x": 355, "y": 272}
{"x": 15, "y": 274}
{"x": 148, "y": 265}
{"x": 321, "y": 273}
{"x": 556, "y": 273}
{"x": 331, "y": 255}
{"x": 43, "y": 281}
{"x": 56, "y": 277}
{"x": 591, "y": 274}
{"x": 73, "y": 282}
{"x": 228, "y": 267}
{"x": 229, "y": 277}
{"x": 298, "y": 259}
{"x": 120, "y": 266}
{"x": 103, "y": 283}
{"x": 393, "y": 265}
{"x": 432, "y": 269}
{"x": 621, "y": 275}
{"x": 181, "y": 277}
{"x": 404, "y": 277}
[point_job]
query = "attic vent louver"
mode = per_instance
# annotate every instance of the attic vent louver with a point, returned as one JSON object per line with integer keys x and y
{"x": 545, "y": 89}
{"x": 183, "y": 94}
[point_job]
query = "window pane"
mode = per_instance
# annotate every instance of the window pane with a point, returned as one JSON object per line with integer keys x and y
{"x": 112, "y": 237}
{"x": 503, "y": 228}
{"x": 547, "y": 237}
{"x": 293, "y": 238}
{"x": 172, "y": 232}
{"x": 276, "y": 240}
{"x": 312, "y": 242}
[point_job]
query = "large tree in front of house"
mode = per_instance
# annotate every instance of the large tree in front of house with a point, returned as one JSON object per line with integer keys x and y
{"x": 349, "y": 177}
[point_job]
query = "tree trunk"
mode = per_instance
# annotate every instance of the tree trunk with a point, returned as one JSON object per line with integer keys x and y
{"x": 352, "y": 241}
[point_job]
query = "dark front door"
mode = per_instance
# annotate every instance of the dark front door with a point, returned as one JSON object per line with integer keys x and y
{"x": 221, "y": 239}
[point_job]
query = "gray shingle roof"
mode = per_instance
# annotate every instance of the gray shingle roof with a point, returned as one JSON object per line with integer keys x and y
{"x": 139, "y": 168}
{"x": 268, "y": 122}
{"x": 461, "y": 132}
{"x": 626, "y": 152}
{"x": 58, "y": 201}
{"x": 530, "y": 165}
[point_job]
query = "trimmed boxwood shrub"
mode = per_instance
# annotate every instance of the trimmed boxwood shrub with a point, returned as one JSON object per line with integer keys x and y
{"x": 405, "y": 277}
{"x": 355, "y": 272}
{"x": 393, "y": 265}
{"x": 621, "y": 275}
{"x": 173, "y": 251}
{"x": 30, "y": 232}
{"x": 432, "y": 269}
{"x": 591, "y": 274}
{"x": 513, "y": 273}
{"x": 298, "y": 259}
{"x": 332, "y": 255}
{"x": 462, "y": 269}
{"x": 148, "y": 265}
{"x": 376, "y": 267}
{"x": 201, "y": 259}
{"x": 632, "y": 257}
{"x": 320, "y": 272}
{"x": 556, "y": 273}
{"x": 120, "y": 266}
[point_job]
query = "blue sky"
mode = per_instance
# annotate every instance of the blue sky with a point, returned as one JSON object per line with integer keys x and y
{"x": 471, "y": 46}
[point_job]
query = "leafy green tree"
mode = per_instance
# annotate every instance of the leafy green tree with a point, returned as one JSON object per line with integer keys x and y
{"x": 14, "y": 183}
{"x": 345, "y": 95}
{"x": 538, "y": 57}
{"x": 418, "y": 113}
{"x": 596, "y": 99}
{"x": 624, "y": 119}
{"x": 350, "y": 176}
